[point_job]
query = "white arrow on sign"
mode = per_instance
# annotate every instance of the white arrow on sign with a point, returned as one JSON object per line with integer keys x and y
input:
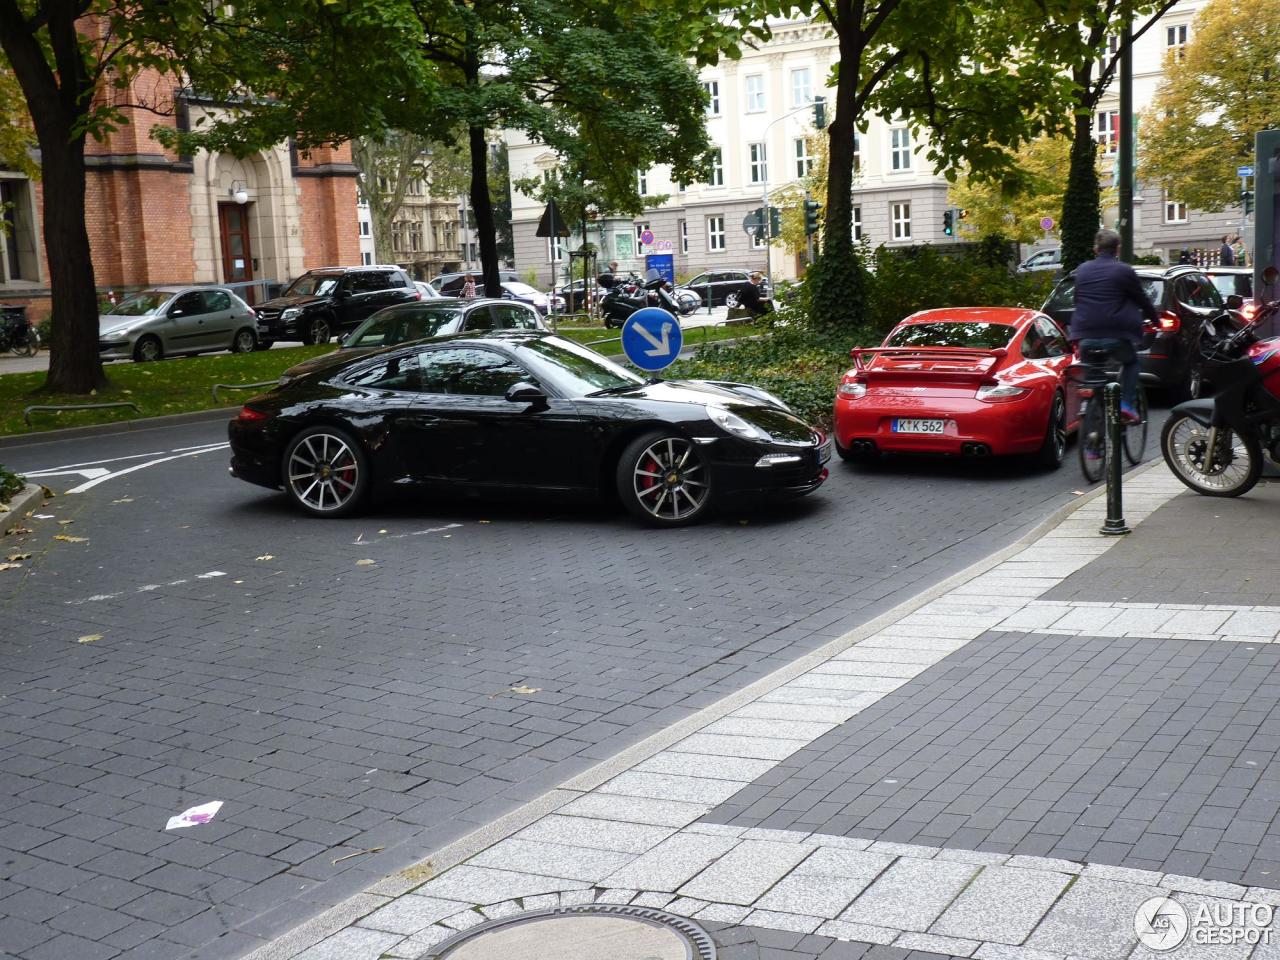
{"x": 661, "y": 348}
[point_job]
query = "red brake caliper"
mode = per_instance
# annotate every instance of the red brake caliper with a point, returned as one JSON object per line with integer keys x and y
{"x": 652, "y": 466}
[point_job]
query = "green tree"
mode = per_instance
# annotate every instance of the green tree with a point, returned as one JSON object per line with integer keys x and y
{"x": 1213, "y": 99}
{"x": 500, "y": 194}
{"x": 17, "y": 135}
{"x": 1014, "y": 210}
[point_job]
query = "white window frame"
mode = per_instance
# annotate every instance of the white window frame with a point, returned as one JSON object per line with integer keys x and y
{"x": 555, "y": 249}
{"x": 757, "y": 163}
{"x": 753, "y": 84}
{"x": 857, "y": 221}
{"x": 1175, "y": 39}
{"x": 1110, "y": 47}
{"x": 1175, "y": 211}
{"x": 1106, "y": 131}
{"x": 715, "y": 235}
{"x": 804, "y": 162}
{"x": 642, "y": 182}
{"x": 857, "y": 151}
{"x": 366, "y": 258}
{"x": 366, "y": 228}
{"x": 757, "y": 242}
{"x": 684, "y": 236}
{"x": 801, "y": 87}
{"x": 900, "y": 217}
{"x": 900, "y": 150}
{"x": 717, "y": 168}
{"x": 712, "y": 87}
{"x": 641, "y": 227}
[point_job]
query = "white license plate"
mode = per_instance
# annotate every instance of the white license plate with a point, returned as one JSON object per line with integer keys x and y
{"x": 824, "y": 452}
{"x": 919, "y": 426}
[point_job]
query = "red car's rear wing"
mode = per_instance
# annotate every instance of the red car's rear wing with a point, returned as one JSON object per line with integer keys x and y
{"x": 969, "y": 362}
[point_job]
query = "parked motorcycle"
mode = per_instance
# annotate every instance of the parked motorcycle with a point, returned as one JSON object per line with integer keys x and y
{"x": 17, "y": 335}
{"x": 1215, "y": 445}
{"x": 629, "y": 295}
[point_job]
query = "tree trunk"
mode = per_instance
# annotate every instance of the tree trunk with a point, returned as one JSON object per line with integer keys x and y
{"x": 1081, "y": 205}
{"x": 482, "y": 206}
{"x": 58, "y": 104}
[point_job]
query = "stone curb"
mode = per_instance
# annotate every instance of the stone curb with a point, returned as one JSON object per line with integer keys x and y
{"x": 22, "y": 504}
{"x": 122, "y": 426}
{"x": 312, "y": 931}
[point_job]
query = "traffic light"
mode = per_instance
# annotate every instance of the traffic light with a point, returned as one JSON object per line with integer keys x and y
{"x": 1246, "y": 199}
{"x": 775, "y": 222}
{"x": 760, "y": 226}
{"x": 812, "y": 213}
{"x": 819, "y": 112}
{"x": 949, "y": 223}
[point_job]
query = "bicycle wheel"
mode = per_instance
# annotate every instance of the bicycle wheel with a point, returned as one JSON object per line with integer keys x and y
{"x": 1093, "y": 441}
{"x": 1135, "y": 434}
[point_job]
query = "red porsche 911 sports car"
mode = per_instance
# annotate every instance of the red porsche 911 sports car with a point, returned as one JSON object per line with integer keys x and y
{"x": 971, "y": 381}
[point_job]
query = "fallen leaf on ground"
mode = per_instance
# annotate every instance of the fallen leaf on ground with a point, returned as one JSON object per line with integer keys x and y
{"x": 67, "y": 539}
{"x": 63, "y": 523}
{"x": 448, "y": 535}
{"x": 1078, "y": 493}
{"x": 47, "y": 492}
{"x": 365, "y": 563}
{"x": 123, "y": 500}
{"x": 18, "y": 556}
{"x": 382, "y": 531}
{"x": 10, "y": 566}
{"x": 15, "y": 531}
{"x": 523, "y": 689}
{"x": 89, "y": 638}
{"x": 420, "y": 873}
{"x": 265, "y": 556}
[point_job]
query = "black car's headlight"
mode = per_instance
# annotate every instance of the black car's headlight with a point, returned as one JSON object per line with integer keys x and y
{"x": 732, "y": 423}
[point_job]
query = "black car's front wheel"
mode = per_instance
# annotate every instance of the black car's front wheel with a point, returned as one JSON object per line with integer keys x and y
{"x": 663, "y": 480}
{"x": 326, "y": 472}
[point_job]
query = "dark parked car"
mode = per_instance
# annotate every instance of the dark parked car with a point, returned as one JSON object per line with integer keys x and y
{"x": 1170, "y": 355}
{"x": 407, "y": 322}
{"x": 521, "y": 412}
{"x": 450, "y": 284}
{"x": 330, "y": 300}
{"x": 721, "y": 285}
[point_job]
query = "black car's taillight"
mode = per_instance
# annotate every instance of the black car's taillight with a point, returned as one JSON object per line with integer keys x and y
{"x": 250, "y": 415}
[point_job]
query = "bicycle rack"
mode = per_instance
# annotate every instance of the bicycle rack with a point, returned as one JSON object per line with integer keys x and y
{"x": 27, "y": 411}
{"x": 239, "y": 386}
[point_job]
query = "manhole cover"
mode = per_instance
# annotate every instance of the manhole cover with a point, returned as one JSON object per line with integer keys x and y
{"x": 581, "y": 933}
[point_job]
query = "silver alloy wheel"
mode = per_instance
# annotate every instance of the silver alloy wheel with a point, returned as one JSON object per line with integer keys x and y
{"x": 1058, "y": 424}
{"x": 149, "y": 349}
{"x": 1195, "y": 381}
{"x": 1189, "y": 445}
{"x": 323, "y": 472}
{"x": 320, "y": 330}
{"x": 244, "y": 341}
{"x": 669, "y": 481}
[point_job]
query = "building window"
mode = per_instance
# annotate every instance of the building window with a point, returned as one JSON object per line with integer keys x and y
{"x": 640, "y": 228}
{"x": 717, "y": 168}
{"x": 713, "y": 97}
{"x": 1175, "y": 211}
{"x": 684, "y": 236}
{"x": 715, "y": 233}
{"x": 1108, "y": 55}
{"x": 901, "y": 221}
{"x": 759, "y": 162}
{"x": 857, "y": 222}
{"x": 642, "y": 182}
{"x": 755, "y": 93}
{"x": 757, "y": 241}
{"x": 1176, "y": 40}
{"x": 1106, "y": 130}
{"x": 555, "y": 249}
{"x": 804, "y": 162}
{"x": 900, "y": 149}
{"x": 19, "y": 251}
{"x": 415, "y": 236}
{"x": 366, "y": 258}
{"x": 473, "y": 251}
{"x": 366, "y": 228}
{"x": 857, "y": 151}
{"x": 801, "y": 87}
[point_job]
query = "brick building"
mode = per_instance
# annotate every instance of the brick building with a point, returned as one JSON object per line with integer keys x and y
{"x": 156, "y": 217}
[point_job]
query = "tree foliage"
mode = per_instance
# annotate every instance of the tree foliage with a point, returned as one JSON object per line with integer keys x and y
{"x": 1014, "y": 207}
{"x": 1212, "y": 100}
{"x": 17, "y": 135}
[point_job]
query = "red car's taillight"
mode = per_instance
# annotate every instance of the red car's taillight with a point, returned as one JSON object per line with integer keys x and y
{"x": 1168, "y": 322}
{"x": 248, "y": 414}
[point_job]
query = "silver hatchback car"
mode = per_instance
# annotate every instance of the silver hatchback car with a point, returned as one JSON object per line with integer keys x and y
{"x": 163, "y": 321}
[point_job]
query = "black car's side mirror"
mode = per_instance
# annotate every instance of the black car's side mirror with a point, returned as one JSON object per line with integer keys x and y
{"x": 1234, "y": 301}
{"x": 525, "y": 392}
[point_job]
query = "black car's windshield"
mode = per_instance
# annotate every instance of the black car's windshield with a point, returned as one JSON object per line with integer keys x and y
{"x": 984, "y": 336}
{"x": 312, "y": 285}
{"x": 141, "y": 304}
{"x": 389, "y": 327}
{"x": 576, "y": 369}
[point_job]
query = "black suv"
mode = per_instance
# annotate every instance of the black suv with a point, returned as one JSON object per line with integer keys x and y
{"x": 1169, "y": 355}
{"x": 330, "y": 300}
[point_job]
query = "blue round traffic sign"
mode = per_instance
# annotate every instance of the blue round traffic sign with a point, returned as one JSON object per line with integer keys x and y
{"x": 651, "y": 338}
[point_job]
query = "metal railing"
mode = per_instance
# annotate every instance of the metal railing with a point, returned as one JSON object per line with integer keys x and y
{"x": 27, "y": 411}
{"x": 239, "y": 386}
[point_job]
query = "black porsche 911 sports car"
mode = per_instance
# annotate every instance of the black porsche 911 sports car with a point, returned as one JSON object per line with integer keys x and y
{"x": 521, "y": 411}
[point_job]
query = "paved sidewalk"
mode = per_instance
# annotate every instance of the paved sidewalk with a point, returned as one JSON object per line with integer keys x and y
{"x": 1007, "y": 767}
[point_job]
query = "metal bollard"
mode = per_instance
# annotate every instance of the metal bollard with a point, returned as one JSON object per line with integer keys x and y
{"x": 1114, "y": 525}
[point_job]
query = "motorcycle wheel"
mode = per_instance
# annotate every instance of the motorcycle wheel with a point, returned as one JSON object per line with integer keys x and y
{"x": 1237, "y": 461}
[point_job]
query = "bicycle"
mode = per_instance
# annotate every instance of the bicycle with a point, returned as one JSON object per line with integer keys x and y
{"x": 1095, "y": 370}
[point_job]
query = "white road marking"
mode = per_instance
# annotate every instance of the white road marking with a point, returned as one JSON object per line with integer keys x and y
{"x": 361, "y": 542}
{"x": 89, "y": 473}
{"x": 145, "y": 588}
{"x": 93, "y": 463}
{"x": 90, "y": 484}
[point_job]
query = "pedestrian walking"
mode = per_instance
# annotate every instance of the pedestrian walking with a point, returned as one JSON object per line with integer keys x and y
{"x": 469, "y": 287}
{"x": 1226, "y": 255}
{"x": 1241, "y": 252}
{"x": 1110, "y": 306}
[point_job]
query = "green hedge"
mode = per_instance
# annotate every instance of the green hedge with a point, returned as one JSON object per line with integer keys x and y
{"x": 10, "y": 484}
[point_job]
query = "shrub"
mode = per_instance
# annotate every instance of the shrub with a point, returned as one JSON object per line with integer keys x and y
{"x": 10, "y": 485}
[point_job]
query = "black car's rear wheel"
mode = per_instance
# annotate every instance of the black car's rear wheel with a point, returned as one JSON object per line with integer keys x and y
{"x": 663, "y": 480}
{"x": 317, "y": 331}
{"x": 326, "y": 472}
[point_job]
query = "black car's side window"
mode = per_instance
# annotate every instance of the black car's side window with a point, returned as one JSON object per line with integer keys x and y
{"x": 471, "y": 372}
{"x": 515, "y": 316}
{"x": 388, "y": 373}
{"x": 479, "y": 319}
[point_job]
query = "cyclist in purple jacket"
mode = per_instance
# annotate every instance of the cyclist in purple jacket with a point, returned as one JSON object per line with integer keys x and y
{"x": 1110, "y": 307}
